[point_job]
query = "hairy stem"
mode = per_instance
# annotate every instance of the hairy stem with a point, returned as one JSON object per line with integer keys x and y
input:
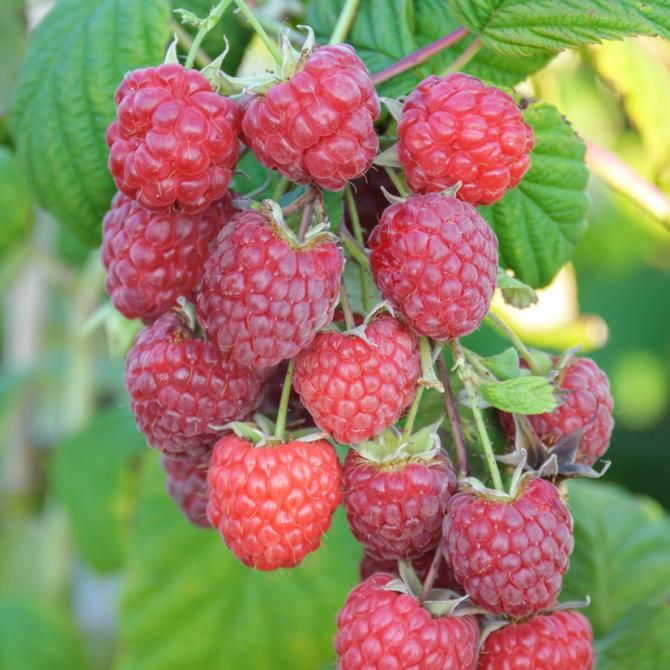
{"x": 621, "y": 177}
{"x": 454, "y": 420}
{"x": 358, "y": 234}
{"x": 432, "y": 572}
{"x": 465, "y": 374}
{"x": 411, "y": 415}
{"x": 516, "y": 342}
{"x": 468, "y": 54}
{"x": 280, "y": 430}
{"x": 306, "y": 219}
{"x": 419, "y": 56}
{"x": 259, "y": 30}
{"x": 212, "y": 19}
{"x": 344, "y": 21}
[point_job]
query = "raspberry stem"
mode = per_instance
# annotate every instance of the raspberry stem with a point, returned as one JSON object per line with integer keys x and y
{"x": 432, "y": 572}
{"x": 428, "y": 376}
{"x": 280, "y": 425}
{"x": 206, "y": 25}
{"x": 411, "y": 416}
{"x": 514, "y": 339}
{"x": 305, "y": 220}
{"x": 358, "y": 234}
{"x": 419, "y": 56}
{"x": 344, "y": 21}
{"x": 454, "y": 420}
{"x": 357, "y": 252}
{"x": 468, "y": 54}
{"x": 465, "y": 373}
{"x": 346, "y": 308}
{"x": 397, "y": 182}
{"x": 259, "y": 30}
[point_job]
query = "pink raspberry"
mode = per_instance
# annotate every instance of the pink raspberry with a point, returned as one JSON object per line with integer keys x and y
{"x": 272, "y": 504}
{"x": 153, "y": 258}
{"x": 588, "y": 405}
{"x": 385, "y": 630}
{"x": 510, "y": 555}
{"x": 187, "y": 485}
{"x": 319, "y": 125}
{"x": 354, "y": 389}
{"x": 457, "y": 129}
{"x": 557, "y": 641}
{"x": 263, "y": 297}
{"x": 395, "y": 509}
{"x": 173, "y": 145}
{"x": 180, "y": 386}
{"x": 436, "y": 261}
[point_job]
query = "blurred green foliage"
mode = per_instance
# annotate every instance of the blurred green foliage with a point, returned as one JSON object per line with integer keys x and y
{"x": 97, "y": 567}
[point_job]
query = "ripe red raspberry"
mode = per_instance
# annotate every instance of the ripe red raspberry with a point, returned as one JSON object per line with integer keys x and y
{"x": 436, "y": 261}
{"x": 387, "y": 630}
{"x": 558, "y": 641}
{"x": 272, "y": 504}
{"x": 181, "y": 385}
{"x": 510, "y": 555}
{"x": 353, "y": 389}
{"x": 319, "y": 125}
{"x": 588, "y": 405}
{"x": 395, "y": 509}
{"x": 173, "y": 145}
{"x": 152, "y": 258}
{"x": 187, "y": 485}
{"x": 457, "y": 129}
{"x": 445, "y": 577}
{"x": 263, "y": 297}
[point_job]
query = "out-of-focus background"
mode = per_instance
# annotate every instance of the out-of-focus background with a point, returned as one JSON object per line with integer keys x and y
{"x": 97, "y": 567}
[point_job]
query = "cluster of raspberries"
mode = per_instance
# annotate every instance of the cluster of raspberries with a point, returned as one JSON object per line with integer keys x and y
{"x": 264, "y": 298}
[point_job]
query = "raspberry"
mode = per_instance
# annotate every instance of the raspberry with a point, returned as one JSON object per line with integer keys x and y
{"x": 435, "y": 260}
{"x": 353, "y": 389}
{"x": 395, "y": 509}
{"x": 272, "y": 504}
{"x": 588, "y": 405}
{"x": 445, "y": 577}
{"x": 173, "y": 145}
{"x": 457, "y": 129}
{"x": 387, "y": 630}
{"x": 510, "y": 555}
{"x": 187, "y": 485}
{"x": 152, "y": 258}
{"x": 558, "y": 641}
{"x": 263, "y": 297}
{"x": 181, "y": 385}
{"x": 319, "y": 125}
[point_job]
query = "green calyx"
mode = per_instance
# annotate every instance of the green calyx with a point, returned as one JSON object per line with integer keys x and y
{"x": 390, "y": 448}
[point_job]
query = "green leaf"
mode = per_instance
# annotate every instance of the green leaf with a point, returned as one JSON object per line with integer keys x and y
{"x": 92, "y": 478}
{"x": 504, "y": 365}
{"x": 636, "y": 70}
{"x": 434, "y": 19}
{"x": 639, "y": 641}
{"x": 382, "y": 33}
{"x": 334, "y": 204}
{"x": 622, "y": 544}
{"x": 539, "y": 223}
{"x": 523, "y": 395}
{"x": 63, "y": 101}
{"x": 37, "y": 638}
{"x": 188, "y": 603}
{"x": 12, "y": 47}
{"x": 515, "y": 292}
{"x": 522, "y": 28}
{"x": 15, "y": 203}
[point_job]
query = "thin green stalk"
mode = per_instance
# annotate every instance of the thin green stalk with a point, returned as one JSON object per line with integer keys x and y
{"x": 212, "y": 19}
{"x": 279, "y": 189}
{"x": 411, "y": 416}
{"x": 468, "y": 54}
{"x": 464, "y": 372}
{"x": 516, "y": 342}
{"x": 397, "y": 182}
{"x": 280, "y": 430}
{"x": 346, "y": 18}
{"x": 358, "y": 234}
{"x": 352, "y": 247}
{"x": 259, "y": 30}
{"x": 346, "y": 308}
{"x": 428, "y": 376}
